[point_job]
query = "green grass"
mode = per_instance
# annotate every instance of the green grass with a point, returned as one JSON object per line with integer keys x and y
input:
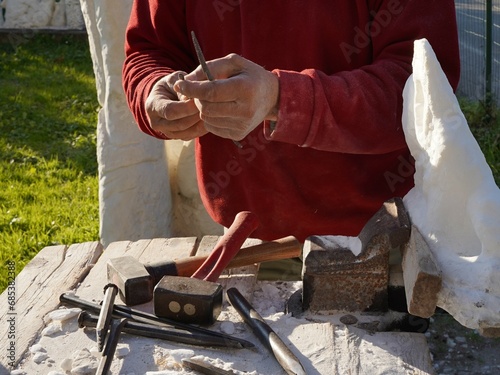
{"x": 48, "y": 166}
{"x": 484, "y": 121}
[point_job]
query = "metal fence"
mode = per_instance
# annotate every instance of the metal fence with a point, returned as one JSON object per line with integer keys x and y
{"x": 479, "y": 34}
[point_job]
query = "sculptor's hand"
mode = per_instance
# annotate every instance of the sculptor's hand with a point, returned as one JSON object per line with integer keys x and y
{"x": 242, "y": 95}
{"x": 174, "y": 115}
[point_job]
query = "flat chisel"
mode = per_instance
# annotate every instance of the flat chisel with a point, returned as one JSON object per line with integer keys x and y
{"x": 105, "y": 315}
{"x": 108, "y": 352}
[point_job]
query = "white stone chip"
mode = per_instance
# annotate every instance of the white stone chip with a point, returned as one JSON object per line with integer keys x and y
{"x": 84, "y": 363}
{"x": 37, "y": 348}
{"x": 52, "y": 329}
{"x": 39, "y": 357}
{"x": 66, "y": 364}
{"x": 61, "y": 315}
{"x": 88, "y": 369}
{"x": 227, "y": 327}
{"x": 122, "y": 350}
{"x": 179, "y": 354}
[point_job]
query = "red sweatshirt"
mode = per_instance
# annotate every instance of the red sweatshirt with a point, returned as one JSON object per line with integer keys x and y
{"x": 338, "y": 150}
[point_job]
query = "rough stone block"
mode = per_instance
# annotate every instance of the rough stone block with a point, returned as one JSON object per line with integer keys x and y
{"x": 336, "y": 279}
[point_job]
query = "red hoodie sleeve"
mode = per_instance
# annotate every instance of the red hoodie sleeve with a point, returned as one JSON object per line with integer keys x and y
{"x": 149, "y": 56}
{"x": 359, "y": 111}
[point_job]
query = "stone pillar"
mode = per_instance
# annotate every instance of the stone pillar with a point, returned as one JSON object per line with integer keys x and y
{"x": 134, "y": 187}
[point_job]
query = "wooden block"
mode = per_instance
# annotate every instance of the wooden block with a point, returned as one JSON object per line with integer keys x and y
{"x": 421, "y": 275}
{"x": 54, "y": 270}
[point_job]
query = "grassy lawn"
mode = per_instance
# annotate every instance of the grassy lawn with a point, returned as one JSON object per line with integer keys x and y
{"x": 485, "y": 125}
{"x": 48, "y": 167}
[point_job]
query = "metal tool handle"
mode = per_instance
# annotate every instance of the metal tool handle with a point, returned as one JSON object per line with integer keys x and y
{"x": 265, "y": 333}
{"x": 178, "y": 336}
{"x": 228, "y": 245}
{"x": 141, "y": 316}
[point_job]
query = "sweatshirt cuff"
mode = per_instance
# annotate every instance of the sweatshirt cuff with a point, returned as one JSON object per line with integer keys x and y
{"x": 143, "y": 121}
{"x": 296, "y": 106}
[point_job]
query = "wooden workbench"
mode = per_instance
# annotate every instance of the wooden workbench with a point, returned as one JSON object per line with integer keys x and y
{"x": 323, "y": 344}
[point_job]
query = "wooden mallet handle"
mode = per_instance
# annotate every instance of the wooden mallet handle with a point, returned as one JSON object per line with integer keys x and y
{"x": 227, "y": 247}
{"x": 282, "y": 248}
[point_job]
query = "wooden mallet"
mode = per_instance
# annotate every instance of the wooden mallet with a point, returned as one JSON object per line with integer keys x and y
{"x": 198, "y": 299}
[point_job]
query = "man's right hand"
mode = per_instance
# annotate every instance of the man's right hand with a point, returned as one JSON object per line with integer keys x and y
{"x": 172, "y": 114}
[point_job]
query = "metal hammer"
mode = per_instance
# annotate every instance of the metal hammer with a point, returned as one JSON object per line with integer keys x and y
{"x": 136, "y": 281}
{"x": 198, "y": 299}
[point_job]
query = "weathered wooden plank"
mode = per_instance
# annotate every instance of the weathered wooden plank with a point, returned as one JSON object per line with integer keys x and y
{"x": 242, "y": 278}
{"x": 54, "y": 270}
{"x": 59, "y": 347}
{"x": 359, "y": 352}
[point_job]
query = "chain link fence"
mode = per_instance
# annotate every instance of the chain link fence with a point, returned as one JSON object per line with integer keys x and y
{"x": 479, "y": 34}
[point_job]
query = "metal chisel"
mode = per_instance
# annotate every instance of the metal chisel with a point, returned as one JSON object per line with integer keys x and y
{"x": 103, "y": 323}
{"x": 85, "y": 319}
{"x": 266, "y": 335}
{"x": 204, "y": 67}
{"x": 141, "y": 316}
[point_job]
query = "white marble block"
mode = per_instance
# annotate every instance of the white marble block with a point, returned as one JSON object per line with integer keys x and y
{"x": 455, "y": 203}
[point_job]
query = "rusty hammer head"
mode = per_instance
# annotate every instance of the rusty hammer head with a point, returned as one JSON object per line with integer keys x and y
{"x": 188, "y": 300}
{"x": 198, "y": 299}
{"x": 135, "y": 280}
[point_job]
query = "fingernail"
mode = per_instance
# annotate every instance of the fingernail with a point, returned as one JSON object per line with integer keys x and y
{"x": 178, "y": 86}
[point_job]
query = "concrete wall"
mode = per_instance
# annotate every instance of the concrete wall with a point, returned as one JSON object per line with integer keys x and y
{"x": 28, "y": 14}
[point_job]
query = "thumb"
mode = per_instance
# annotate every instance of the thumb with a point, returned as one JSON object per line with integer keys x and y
{"x": 221, "y": 68}
{"x": 196, "y": 75}
{"x": 226, "y": 67}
